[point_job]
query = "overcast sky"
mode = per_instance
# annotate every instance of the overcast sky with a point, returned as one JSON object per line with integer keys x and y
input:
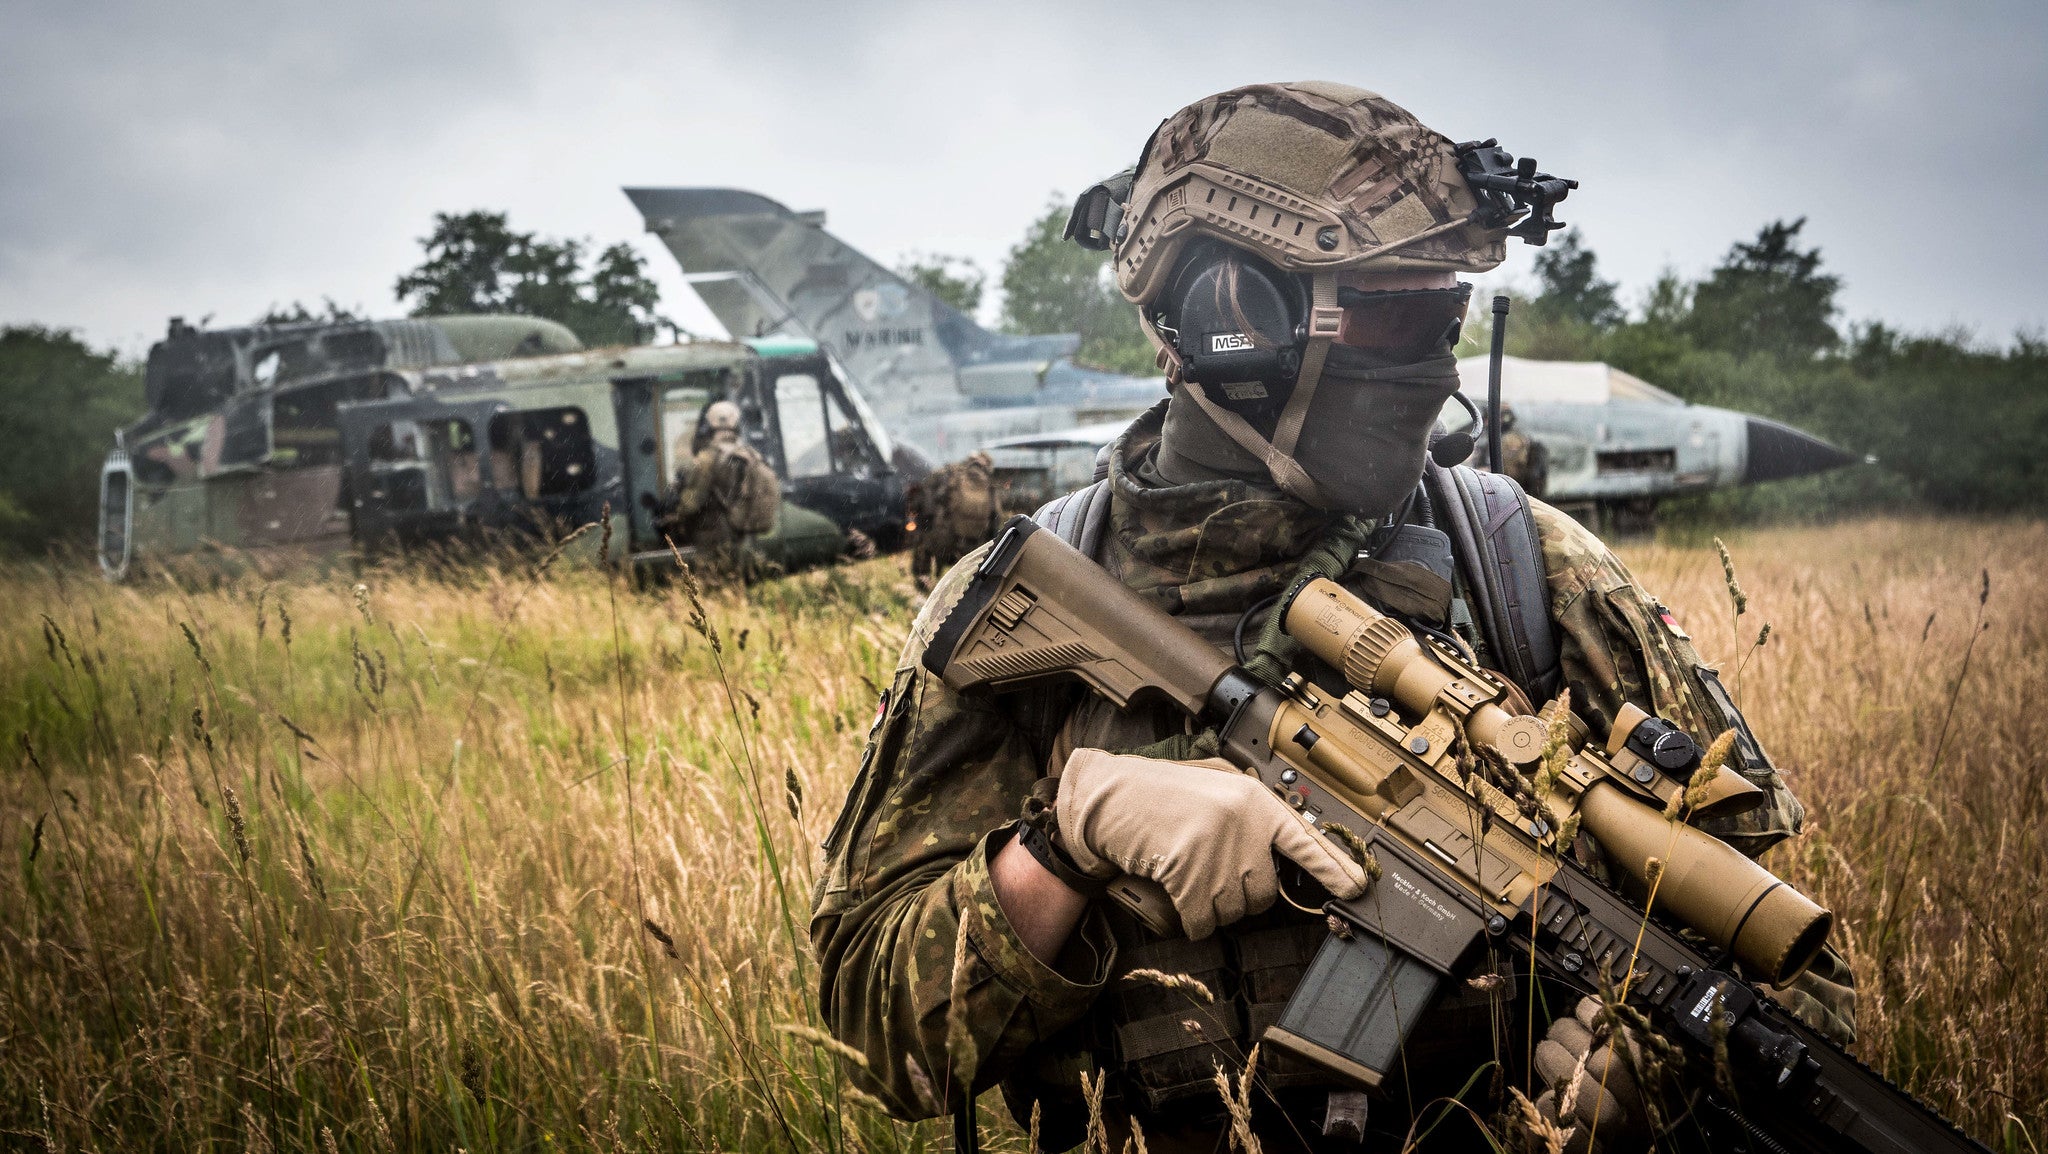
{"x": 212, "y": 158}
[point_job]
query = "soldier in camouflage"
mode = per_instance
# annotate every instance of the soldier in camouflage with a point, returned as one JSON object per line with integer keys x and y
{"x": 956, "y": 507}
{"x": 722, "y": 494}
{"x": 950, "y": 955}
{"x": 1521, "y": 456}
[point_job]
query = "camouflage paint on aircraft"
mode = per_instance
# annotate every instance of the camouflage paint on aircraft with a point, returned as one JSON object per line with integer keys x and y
{"x": 303, "y": 441}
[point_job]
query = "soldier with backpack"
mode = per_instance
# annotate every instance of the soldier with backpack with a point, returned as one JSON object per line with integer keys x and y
{"x": 955, "y": 508}
{"x": 1522, "y": 456}
{"x": 725, "y": 494}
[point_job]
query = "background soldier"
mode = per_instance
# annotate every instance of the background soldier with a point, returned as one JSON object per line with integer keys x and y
{"x": 1292, "y": 250}
{"x": 725, "y": 493}
{"x": 956, "y": 508}
{"x": 1521, "y": 456}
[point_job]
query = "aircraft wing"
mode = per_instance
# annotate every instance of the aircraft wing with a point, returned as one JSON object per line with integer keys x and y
{"x": 1081, "y": 437}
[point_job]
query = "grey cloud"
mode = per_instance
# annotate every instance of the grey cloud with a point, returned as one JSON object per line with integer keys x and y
{"x": 218, "y": 157}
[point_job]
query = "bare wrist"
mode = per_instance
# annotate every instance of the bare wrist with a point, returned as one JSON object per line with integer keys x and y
{"x": 1041, "y": 909}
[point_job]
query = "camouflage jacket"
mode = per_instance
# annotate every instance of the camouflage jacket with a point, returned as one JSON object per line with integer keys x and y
{"x": 905, "y": 878}
{"x": 956, "y": 507}
{"x": 712, "y": 506}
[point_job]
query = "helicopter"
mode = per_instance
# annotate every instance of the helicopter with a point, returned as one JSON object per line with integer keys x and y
{"x": 299, "y": 443}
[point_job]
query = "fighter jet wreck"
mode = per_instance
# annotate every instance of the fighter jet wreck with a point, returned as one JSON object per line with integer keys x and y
{"x": 1614, "y": 444}
{"x": 290, "y": 443}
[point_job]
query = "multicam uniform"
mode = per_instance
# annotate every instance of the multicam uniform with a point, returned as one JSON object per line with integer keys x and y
{"x": 712, "y": 497}
{"x": 907, "y": 864}
{"x": 957, "y": 508}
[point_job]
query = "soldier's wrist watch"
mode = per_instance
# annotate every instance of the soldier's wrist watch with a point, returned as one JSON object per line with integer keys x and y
{"x": 1035, "y": 831}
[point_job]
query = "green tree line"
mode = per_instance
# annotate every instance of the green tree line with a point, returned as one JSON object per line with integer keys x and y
{"x": 477, "y": 263}
{"x": 60, "y": 402}
{"x": 1957, "y": 424}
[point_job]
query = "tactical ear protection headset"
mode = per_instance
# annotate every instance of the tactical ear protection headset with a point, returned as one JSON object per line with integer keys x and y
{"x": 1238, "y": 327}
{"x": 1233, "y": 318}
{"x": 1236, "y": 322}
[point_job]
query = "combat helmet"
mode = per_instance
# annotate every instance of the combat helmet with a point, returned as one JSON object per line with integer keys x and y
{"x": 1311, "y": 177}
{"x": 722, "y": 417}
{"x": 1296, "y": 184}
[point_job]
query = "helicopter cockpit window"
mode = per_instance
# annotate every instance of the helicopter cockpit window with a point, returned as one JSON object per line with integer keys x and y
{"x": 170, "y": 456}
{"x": 801, "y": 405}
{"x": 852, "y": 453}
{"x": 549, "y": 451}
{"x": 304, "y": 432}
{"x": 819, "y": 437}
{"x": 423, "y": 464}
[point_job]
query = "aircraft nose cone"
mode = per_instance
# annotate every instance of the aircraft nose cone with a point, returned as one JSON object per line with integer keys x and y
{"x": 1778, "y": 451}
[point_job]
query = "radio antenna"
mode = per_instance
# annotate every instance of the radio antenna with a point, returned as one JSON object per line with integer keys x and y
{"x": 1500, "y": 340}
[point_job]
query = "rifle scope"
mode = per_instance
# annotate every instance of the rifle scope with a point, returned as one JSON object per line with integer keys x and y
{"x": 1707, "y": 884}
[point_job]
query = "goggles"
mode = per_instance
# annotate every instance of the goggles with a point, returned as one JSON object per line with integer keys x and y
{"x": 1401, "y": 318}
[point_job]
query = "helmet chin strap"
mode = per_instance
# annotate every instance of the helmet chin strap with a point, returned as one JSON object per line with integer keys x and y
{"x": 1324, "y": 319}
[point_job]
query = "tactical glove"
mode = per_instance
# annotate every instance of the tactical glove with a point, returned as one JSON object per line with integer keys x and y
{"x": 1203, "y": 830}
{"x": 1606, "y": 1090}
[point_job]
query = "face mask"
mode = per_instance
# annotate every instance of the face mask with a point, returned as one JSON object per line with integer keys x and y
{"x": 1363, "y": 442}
{"x": 1368, "y": 427}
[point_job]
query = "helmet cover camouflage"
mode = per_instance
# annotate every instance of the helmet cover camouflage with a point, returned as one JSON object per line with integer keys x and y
{"x": 1311, "y": 177}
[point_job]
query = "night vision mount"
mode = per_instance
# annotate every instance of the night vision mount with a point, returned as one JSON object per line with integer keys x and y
{"x": 1509, "y": 190}
{"x": 1097, "y": 222}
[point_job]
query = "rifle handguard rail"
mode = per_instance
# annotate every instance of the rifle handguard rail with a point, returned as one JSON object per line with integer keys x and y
{"x": 1038, "y": 609}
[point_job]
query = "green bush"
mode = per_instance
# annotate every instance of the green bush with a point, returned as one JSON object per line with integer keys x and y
{"x": 60, "y": 402}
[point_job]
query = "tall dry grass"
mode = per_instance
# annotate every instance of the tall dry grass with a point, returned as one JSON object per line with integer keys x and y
{"x": 522, "y": 860}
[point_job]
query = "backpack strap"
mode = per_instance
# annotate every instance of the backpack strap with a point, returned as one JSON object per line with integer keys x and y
{"x": 1079, "y": 518}
{"x": 1500, "y": 558}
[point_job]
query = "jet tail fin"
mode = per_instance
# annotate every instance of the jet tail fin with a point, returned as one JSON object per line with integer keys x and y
{"x": 762, "y": 269}
{"x": 937, "y": 380}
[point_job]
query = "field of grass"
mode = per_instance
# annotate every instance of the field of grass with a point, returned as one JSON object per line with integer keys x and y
{"x": 522, "y": 860}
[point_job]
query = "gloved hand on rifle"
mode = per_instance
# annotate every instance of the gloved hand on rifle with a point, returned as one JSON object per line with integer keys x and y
{"x": 1204, "y": 831}
{"x": 1590, "y": 1068}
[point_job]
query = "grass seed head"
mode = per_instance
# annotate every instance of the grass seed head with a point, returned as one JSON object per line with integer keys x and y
{"x": 654, "y": 930}
{"x": 241, "y": 829}
{"x": 823, "y": 1041}
{"x": 192, "y": 642}
{"x": 1184, "y": 983}
{"x": 962, "y": 1051}
{"x": 1736, "y": 596}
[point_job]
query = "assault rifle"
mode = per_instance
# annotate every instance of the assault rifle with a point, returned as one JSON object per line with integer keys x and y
{"x": 1457, "y": 860}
